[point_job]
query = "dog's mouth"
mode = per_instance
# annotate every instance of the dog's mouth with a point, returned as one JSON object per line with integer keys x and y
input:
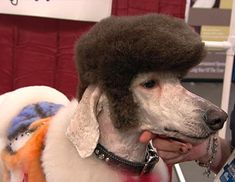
{"x": 178, "y": 136}
{"x": 183, "y": 137}
{"x": 192, "y": 140}
{"x": 170, "y": 138}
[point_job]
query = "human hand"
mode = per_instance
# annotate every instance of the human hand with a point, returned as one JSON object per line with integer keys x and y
{"x": 172, "y": 151}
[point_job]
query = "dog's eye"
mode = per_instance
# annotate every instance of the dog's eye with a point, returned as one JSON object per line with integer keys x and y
{"x": 149, "y": 84}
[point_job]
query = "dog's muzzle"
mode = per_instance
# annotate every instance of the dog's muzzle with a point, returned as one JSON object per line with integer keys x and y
{"x": 215, "y": 118}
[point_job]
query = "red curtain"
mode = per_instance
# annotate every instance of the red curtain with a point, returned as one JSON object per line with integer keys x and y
{"x": 40, "y": 51}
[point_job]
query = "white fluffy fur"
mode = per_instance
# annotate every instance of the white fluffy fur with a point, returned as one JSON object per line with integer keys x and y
{"x": 61, "y": 160}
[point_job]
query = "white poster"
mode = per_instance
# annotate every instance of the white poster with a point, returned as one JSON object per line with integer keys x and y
{"x": 82, "y": 10}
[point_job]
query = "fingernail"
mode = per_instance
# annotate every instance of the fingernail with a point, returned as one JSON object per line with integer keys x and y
{"x": 183, "y": 150}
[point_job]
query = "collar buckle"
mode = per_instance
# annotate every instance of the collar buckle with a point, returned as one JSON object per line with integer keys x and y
{"x": 151, "y": 158}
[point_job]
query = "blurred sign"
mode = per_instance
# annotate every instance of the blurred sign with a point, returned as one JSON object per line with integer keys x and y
{"x": 83, "y": 10}
{"x": 211, "y": 19}
{"x": 212, "y": 67}
{"x": 227, "y": 173}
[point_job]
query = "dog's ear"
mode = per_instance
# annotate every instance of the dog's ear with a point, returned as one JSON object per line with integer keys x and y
{"x": 83, "y": 130}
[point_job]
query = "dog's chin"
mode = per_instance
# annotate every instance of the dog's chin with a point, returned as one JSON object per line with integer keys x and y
{"x": 181, "y": 137}
{"x": 184, "y": 139}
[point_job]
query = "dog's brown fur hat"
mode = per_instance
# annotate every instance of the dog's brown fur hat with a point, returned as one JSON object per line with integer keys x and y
{"x": 116, "y": 49}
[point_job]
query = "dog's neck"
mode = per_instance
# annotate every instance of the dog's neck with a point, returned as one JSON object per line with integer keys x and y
{"x": 123, "y": 144}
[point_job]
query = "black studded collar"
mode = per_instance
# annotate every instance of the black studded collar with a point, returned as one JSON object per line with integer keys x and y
{"x": 135, "y": 168}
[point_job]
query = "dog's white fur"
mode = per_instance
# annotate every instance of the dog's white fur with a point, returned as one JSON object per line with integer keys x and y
{"x": 166, "y": 109}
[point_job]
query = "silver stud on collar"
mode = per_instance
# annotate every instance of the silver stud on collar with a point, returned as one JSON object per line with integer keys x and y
{"x": 101, "y": 156}
{"x": 97, "y": 151}
{"x": 139, "y": 168}
{"x": 107, "y": 159}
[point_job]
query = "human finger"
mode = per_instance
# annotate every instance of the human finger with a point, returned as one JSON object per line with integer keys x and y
{"x": 167, "y": 145}
{"x": 168, "y": 155}
{"x": 197, "y": 152}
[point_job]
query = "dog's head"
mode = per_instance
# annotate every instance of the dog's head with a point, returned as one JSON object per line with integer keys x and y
{"x": 166, "y": 108}
{"x": 138, "y": 63}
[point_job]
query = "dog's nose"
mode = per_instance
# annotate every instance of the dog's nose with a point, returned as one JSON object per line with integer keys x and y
{"x": 215, "y": 118}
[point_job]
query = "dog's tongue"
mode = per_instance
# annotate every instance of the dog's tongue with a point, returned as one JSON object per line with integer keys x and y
{"x": 146, "y": 136}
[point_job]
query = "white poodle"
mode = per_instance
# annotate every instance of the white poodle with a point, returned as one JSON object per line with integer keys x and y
{"x": 130, "y": 70}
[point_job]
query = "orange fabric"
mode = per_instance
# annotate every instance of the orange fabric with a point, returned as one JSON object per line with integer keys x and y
{"x": 28, "y": 158}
